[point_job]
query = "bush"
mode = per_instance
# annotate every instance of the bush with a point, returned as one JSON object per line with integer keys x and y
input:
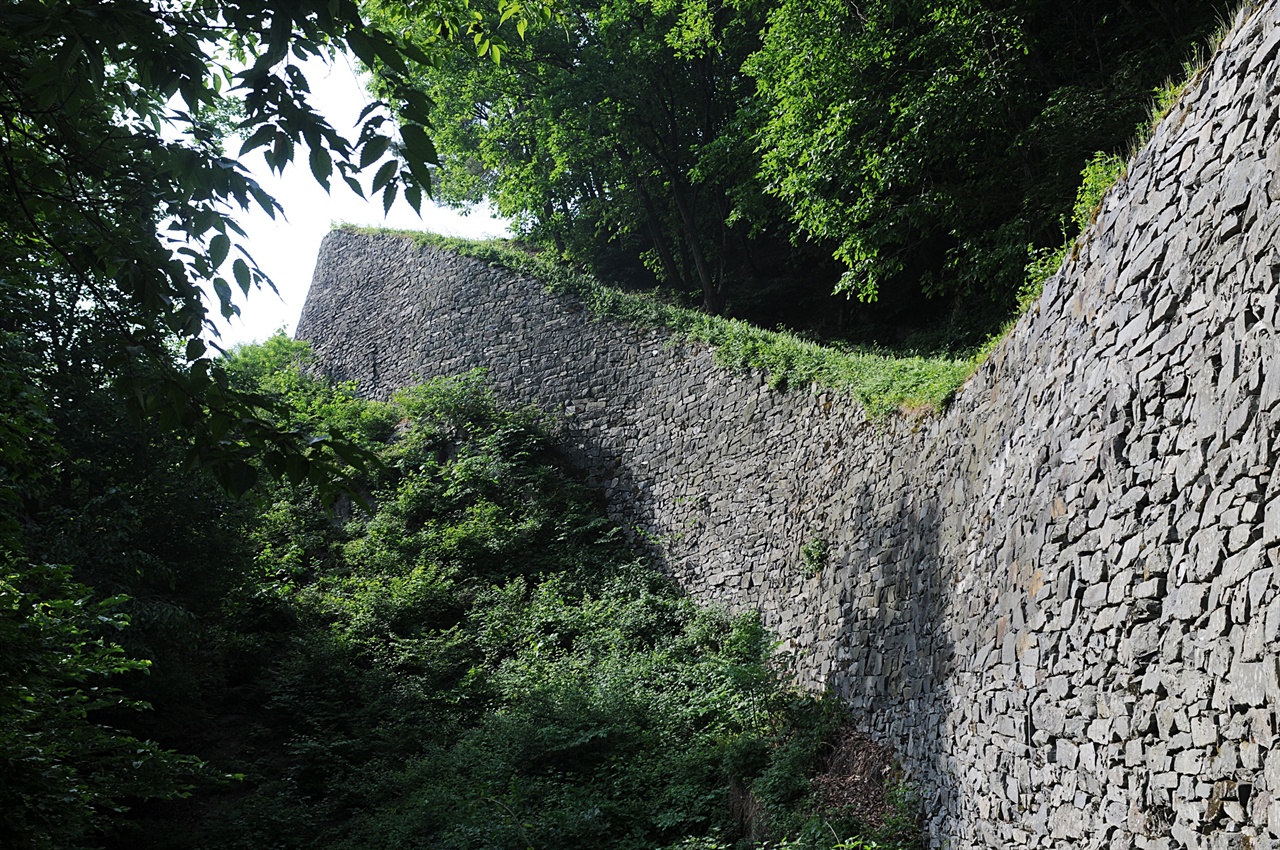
{"x": 64, "y": 772}
{"x": 478, "y": 660}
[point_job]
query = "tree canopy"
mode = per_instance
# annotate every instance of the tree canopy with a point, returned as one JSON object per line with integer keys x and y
{"x": 118, "y": 201}
{"x": 754, "y": 154}
{"x": 623, "y": 139}
{"x": 117, "y": 211}
{"x": 937, "y": 143}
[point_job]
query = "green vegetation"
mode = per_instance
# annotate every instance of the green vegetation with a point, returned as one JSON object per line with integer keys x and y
{"x": 913, "y": 155}
{"x": 618, "y": 139}
{"x": 1100, "y": 173}
{"x": 476, "y": 658}
{"x": 118, "y": 201}
{"x": 882, "y": 381}
{"x": 66, "y": 776}
{"x": 414, "y": 628}
{"x": 814, "y": 554}
{"x": 953, "y": 131}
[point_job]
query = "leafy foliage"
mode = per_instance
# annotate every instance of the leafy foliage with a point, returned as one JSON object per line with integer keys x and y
{"x": 475, "y": 657}
{"x": 932, "y": 148}
{"x": 624, "y": 140}
{"x": 102, "y": 522}
{"x": 65, "y": 772}
{"x": 814, "y": 554}
{"x": 117, "y": 208}
{"x": 937, "y": 140}
{"x": 462, "y": 651}
{"x": 118, "y": 204}
{"x": 478, "y": 660}
{"x": 1099, "y": 175}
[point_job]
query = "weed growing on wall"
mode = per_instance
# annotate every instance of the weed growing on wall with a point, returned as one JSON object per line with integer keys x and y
{"x": 1099, "y": 175}
{"x": 814, "y": 554}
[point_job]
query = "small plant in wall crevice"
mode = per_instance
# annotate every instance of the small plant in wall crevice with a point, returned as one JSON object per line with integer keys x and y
{"x": 814, "y": 554}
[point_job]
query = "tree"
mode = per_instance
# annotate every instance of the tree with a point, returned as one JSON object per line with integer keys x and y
{"x": 622, "y": 140}
{"x": 937, "y": 141}
{"x": 118, "y": 202}
{"x": 62, "y": 773}
{"x": 117, "y": 206}
{"x": 929, "y": 148}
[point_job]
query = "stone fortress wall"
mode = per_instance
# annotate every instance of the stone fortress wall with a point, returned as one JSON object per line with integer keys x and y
{"x": 1058, "y": 600}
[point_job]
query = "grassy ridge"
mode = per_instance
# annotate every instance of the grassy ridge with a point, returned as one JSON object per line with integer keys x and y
{"x": 882, "y": 382}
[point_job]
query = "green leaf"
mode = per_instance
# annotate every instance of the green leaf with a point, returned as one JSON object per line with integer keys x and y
{"x": 418, "y": 105}
{"x": 265, "y": 202}
{"x": 414, "y": 52}
{"x": 261, "y": 137}
{"x": 373, "y": 150}
{"x": 223, "y": 290}
{"x": 296, "y": 468}
{"x": 388, "y": 51}
{"x": 281, "y": 153}
{"x": 275, "y": 462}
{"x": 241, "y": 270}
{"x": 237, "y": 476}
{"x": 413, "y": 194}
{"x": 218, "y": 248}
{"x": 418, "y": 144}
{"x": 385, "y": 174}
{"x": 321, "y": 165}
{"x": 362, "y": 47}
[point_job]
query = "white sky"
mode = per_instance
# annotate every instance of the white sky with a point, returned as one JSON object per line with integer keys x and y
{"x": 286, "y": 250}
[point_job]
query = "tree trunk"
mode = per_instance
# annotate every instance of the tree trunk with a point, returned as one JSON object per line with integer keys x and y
{"x": 712, "y": 290}
{"x": 659, "y": 239}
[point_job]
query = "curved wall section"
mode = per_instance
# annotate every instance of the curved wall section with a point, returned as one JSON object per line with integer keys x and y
{"x": 1059, "y": 599}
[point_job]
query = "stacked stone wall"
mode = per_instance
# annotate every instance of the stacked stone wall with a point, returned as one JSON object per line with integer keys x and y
{"x": 1058, "y": 599}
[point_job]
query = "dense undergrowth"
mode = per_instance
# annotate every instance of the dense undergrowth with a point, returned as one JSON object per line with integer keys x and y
{"x": 465, "y": 655}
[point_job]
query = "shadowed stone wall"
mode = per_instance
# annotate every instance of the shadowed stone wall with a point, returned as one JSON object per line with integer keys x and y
{"x": 1057, "y": 600}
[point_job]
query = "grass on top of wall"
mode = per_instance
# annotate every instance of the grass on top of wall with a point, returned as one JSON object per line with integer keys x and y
{"x": 883, "y": 382}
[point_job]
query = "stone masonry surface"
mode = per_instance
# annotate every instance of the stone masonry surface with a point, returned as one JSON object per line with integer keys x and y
{"x": 1059, "y": 599}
